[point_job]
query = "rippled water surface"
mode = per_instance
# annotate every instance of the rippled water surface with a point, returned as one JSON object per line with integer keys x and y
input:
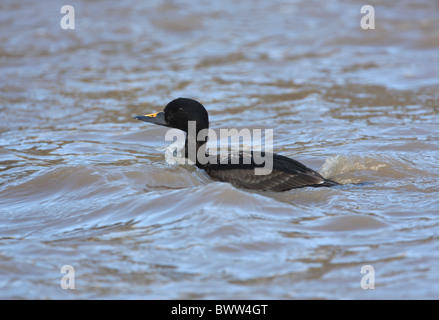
{"x": 85, "y": 185}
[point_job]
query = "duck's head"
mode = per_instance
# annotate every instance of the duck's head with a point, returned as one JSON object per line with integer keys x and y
{"x": 178, "y": 113}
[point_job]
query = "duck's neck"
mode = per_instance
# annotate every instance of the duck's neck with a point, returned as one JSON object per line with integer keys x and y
{"x": 193, "y": 148}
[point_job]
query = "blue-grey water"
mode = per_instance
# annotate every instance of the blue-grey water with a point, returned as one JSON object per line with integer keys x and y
{"x": 85, "y": 185}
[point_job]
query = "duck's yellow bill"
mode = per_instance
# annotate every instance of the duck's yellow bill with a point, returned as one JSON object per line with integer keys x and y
{"x": 152, "y": 115}
{"x": 156, "y": 118}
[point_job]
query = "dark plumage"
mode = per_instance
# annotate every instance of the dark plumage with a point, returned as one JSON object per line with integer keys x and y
{"x": 286, "y": 174}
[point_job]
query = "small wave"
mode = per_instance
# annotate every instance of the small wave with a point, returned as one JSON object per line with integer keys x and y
{"x": 347, "y": 223}
{"x": 367, "y": 168}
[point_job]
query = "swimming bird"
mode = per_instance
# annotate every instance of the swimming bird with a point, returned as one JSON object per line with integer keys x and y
{"x": 285, "y": 174}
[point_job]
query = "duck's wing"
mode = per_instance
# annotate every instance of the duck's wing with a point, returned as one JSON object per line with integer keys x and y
{"x": 286, "y": 174}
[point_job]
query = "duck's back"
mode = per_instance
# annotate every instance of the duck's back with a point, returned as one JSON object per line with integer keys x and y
{"x": 286, "y": 174}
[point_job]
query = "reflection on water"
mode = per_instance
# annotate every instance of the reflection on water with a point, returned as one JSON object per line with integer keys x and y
{"x": 83, "y": 184}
